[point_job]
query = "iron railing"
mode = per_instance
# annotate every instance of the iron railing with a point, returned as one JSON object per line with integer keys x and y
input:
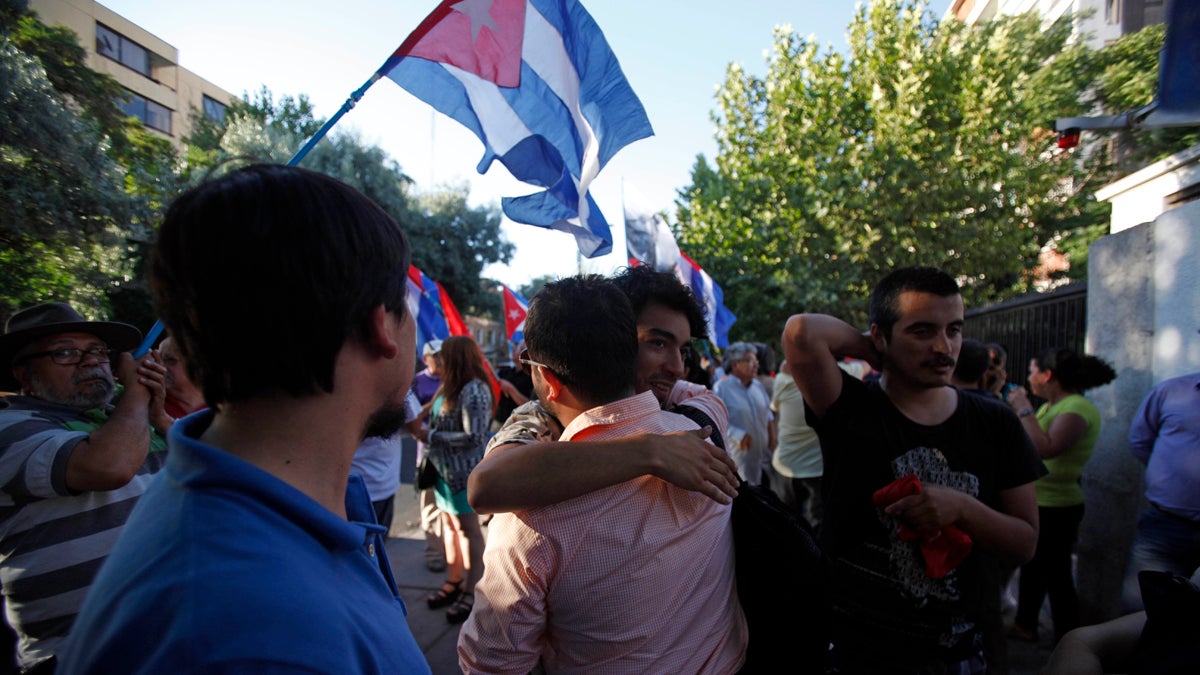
{"x": 1027, "y": 325}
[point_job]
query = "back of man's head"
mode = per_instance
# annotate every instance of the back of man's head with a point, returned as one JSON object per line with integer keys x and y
{"x": 885, "y": 299}
{"x": 263, "y": 274}
{"x": 642, "y": 285}
{"x": 583, "y": 329}
{"x": 973, "y": 362}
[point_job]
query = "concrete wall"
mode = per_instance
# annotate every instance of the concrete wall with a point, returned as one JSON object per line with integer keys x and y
{"x": 1143, "y": 313}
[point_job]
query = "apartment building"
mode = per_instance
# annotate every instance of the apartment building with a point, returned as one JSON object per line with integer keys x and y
{"x": 1105, "y": 20}
{"x": 161, "y": 93}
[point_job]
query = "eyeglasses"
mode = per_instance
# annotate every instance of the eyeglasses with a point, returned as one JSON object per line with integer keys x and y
{"x": 523, "y": 357}
{"x": 71, "y": 357}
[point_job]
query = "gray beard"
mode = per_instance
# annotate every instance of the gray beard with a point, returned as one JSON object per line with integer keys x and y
{"x": 98, "y": 393}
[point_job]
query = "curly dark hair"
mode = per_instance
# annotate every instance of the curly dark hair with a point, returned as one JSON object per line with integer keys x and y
{"x": 1075, "y": 372}
{"x": 642, "y": 285}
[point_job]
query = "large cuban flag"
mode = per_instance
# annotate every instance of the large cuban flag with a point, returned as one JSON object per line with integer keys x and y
{"x": 437, "y": 317}
{"x": 515, "y": 309}
{"x": 536, "y": 81}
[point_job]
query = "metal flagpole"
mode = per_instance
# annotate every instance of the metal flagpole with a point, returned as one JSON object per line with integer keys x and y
{"x": 346, "y": 107}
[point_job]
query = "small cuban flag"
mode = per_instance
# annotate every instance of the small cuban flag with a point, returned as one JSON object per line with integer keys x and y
{"x": 430, "y": 305}
{"x": 536, "y": 81}
{"x": 515, "y": 309}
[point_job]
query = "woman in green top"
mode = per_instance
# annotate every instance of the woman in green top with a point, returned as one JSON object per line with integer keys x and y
{"x": 1064, "y": 430}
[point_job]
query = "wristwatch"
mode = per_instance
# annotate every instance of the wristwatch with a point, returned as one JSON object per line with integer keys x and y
{"x": 1024, "y": 412}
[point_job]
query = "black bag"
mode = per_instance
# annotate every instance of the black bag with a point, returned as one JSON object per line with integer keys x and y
{"x": 427, "y": 473}
{"x": 1168, "y": 641}
{"x": 781, "y": 584}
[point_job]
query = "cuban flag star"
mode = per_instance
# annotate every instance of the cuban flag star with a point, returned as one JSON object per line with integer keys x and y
{"x": 536, "y": 81}
{"x": 515, "y": 309}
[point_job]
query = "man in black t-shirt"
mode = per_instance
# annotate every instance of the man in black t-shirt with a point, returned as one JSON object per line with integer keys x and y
{"x": 975, "y": 464}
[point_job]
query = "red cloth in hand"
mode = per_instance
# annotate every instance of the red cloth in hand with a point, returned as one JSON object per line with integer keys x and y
{"x": 943, "y": 549}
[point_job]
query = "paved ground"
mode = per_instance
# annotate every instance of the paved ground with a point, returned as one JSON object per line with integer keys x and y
{"x": 406, "y": 551}
{"x": 437, "y": 638}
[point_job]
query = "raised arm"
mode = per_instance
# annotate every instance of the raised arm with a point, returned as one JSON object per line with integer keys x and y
{"x": 110, "y": 457}
{"x": 1064, "y": 432}
{"x": 812, "y": 345}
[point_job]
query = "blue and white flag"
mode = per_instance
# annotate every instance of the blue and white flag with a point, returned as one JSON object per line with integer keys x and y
{"x": 720, "y": 319}
{"x": 536, "y": 81}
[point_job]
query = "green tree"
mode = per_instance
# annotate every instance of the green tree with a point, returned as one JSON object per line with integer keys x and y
{"x": 63, "y": 196}
{"x": 82, "y": 184}
{"x": 925, "y": 143}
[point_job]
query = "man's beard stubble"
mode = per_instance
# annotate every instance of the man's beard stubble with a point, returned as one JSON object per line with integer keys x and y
{"x": 98, "y": 391}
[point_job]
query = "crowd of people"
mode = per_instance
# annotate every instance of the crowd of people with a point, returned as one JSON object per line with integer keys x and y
{"x": 208, "y": 507}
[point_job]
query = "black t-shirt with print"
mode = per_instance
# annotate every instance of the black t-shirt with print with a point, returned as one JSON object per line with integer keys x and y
{"x": 885, "y": 607}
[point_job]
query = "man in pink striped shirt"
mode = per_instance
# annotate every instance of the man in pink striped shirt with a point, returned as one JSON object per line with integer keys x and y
{"x": 636, "y": 577}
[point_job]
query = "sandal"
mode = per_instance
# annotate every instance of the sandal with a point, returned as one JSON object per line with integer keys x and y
{"x": 448, "y": 593}
{"x": 461, "y": 609}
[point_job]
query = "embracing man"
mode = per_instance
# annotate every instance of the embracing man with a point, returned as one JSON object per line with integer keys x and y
{"x": 635, "y": 577}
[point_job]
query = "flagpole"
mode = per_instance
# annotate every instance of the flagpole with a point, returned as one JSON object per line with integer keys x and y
{"x": 346, "y": 107}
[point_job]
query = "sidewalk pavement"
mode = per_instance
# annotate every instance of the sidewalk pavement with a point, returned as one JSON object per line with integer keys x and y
{"x": 406, "y": 551}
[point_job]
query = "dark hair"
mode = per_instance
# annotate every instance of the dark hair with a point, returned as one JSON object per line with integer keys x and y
{"x": 277, "y": 254}
{"x": 766, "y": 358}
{"x": 642, "y": 285}
{"x": 583, "y": 329}
{"x": 461, "y": 362}
{"x": 1075, "y": 372}
{"x": 973, "y": 361}
{"x": 1001, "y": 354}
{"x": 886, "y": 296}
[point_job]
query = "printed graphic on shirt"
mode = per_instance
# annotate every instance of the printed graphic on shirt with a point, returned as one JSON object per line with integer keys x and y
{"x": 908, "y": 567}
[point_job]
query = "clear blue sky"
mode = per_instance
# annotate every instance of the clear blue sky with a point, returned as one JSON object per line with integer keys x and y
{"x": 674, "y": 53}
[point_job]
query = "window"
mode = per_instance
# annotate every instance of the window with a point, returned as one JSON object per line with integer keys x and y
{"x": 214, "y": 109}
{"x": 1112, "y": 12}
{"x": 113, "y": 45}
{"x": 153, "y": 115}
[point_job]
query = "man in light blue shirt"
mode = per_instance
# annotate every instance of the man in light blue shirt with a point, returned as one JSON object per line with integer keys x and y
{"x": 751, "y": 432}
{"x": 1165, "y": 436}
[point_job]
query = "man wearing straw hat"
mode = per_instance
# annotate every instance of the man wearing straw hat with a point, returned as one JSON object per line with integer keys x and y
{"x": 72, "y": 463}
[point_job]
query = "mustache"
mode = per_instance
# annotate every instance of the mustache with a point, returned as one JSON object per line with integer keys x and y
{"x": 939, "y": 361}
{"x": 92, "y": 374}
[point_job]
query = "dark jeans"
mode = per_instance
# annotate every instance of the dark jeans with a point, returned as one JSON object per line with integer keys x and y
{"x": 1165, "y": 542}
{"x": 1050, "y": 571}
{"x": 385, "y": 510}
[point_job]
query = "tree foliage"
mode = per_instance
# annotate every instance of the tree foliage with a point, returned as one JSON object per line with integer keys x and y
{"x": 62, "y": 194}
{"x": 925, "y": 143}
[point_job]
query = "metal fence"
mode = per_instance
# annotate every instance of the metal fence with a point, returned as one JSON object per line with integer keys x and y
{"x": 1025, "y": 326}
